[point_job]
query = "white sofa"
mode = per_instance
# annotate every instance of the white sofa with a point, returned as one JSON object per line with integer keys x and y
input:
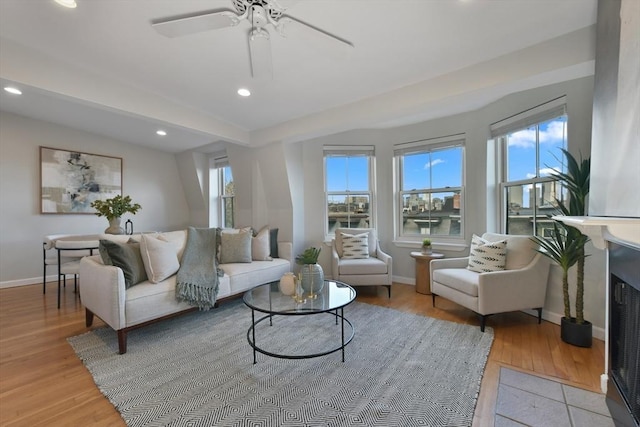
{"x": 103, "y": 291}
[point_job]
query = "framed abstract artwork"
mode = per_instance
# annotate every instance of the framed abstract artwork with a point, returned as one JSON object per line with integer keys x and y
{"x": 71, "y": 180}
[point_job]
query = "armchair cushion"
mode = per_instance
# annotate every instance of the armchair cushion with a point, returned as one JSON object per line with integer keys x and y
{"x": 371, "y": 234}
{"x": 355, "y": 246}
{"x": 362, "y": 266}
{"x": 486, "y": 256}
{"x": 460, "y": 279}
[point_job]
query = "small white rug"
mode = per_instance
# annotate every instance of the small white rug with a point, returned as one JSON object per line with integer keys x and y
{"x": 197, "y": 370}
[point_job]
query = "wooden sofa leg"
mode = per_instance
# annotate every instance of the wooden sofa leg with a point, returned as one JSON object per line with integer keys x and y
{"x": 389, "y": 290}
{"x": 122, "y": 341}
{"x": 433, "y": 300}
{"x": 88, "y": 317}
{"x": 483, "y": 321}
{"x": 539, "y": 315}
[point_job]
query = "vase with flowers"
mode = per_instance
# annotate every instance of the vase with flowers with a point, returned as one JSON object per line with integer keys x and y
{"x": 113, "y": 209}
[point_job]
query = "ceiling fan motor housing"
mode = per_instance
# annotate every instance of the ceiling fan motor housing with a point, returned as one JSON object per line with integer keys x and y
{"x": 258, "y": 16}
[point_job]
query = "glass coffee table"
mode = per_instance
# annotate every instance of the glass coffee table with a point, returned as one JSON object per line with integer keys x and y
{"x": 269, "y": 300}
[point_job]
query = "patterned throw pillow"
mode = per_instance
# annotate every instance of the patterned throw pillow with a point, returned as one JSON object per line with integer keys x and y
{"x": 486, "y": 256}
{"x": 355, "y": 246}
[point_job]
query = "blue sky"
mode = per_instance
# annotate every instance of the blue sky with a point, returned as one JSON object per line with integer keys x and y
{"x": 443, "y": 167}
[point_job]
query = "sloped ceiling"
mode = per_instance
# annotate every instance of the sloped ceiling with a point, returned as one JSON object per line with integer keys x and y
{"x": 101, "y": 67}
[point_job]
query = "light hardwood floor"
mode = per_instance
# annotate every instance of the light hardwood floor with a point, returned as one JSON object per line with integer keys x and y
{"x": 42, "y": 382}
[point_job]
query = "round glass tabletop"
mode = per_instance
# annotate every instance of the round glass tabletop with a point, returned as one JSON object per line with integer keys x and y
{"x": 268, "y": 299}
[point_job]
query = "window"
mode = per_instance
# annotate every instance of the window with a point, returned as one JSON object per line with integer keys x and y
{"x": 222, "y": 200}
{"x": 349, "y": 187}
{"x": 430, "y": 188}
{"x": 530, "y": 150}
{"x": 227, "y": 196}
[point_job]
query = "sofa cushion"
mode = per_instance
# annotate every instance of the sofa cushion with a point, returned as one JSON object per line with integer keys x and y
{"x": 273, "y": 242}
{"x": 355, "y": 246}
{"x": 159, "y": 257}
{"x": 235, "y": 247}
{"x": 260, "y": 246}
{"x": 178, "y": 238}
{"x": 127, "y": 257}
{"x": 460, "y": 279}
{"x": 245, "y": 276}
{"x": 487, "y": 256}
{"x": 362, "y": 266}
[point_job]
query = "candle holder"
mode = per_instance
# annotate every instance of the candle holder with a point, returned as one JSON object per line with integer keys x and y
{"x": 298, "y": 295}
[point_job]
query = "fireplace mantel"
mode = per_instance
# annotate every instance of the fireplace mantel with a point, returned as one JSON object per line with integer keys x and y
{"x": 604, "y": 228}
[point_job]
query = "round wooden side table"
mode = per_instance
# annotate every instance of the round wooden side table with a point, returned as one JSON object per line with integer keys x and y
{"x": 423, "y": 270}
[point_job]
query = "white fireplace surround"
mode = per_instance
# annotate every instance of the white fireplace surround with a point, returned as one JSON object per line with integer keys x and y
{"x": 604, "y": 228}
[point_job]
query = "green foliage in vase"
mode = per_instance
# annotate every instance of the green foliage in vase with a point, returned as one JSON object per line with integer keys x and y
{"x": 309, "y": 256}
{"x": 426, "y": 242}
{"x": 115, "y": 207}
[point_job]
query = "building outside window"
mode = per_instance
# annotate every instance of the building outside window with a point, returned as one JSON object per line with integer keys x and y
{"x": 349, "y": 187}
{"x": 531, "y": 151}
{"x": 429, "y": 187}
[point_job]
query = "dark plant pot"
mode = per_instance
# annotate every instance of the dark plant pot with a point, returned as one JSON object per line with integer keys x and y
{"x": 574, "y": 334}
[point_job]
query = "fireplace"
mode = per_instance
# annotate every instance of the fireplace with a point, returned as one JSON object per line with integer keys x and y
{"x": 623, "y": 388}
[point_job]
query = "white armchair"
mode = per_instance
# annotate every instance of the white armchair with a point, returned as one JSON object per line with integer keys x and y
{"x": 374, "y": 270}
{"x": 521, "y": 286}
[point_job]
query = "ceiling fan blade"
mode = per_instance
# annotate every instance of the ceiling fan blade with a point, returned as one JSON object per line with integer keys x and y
{"x": 183, "y": 25}
{"x": 320, "y": 39}
{"x": 260, "y": 51}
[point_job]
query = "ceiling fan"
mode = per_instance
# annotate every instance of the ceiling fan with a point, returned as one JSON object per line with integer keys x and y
{"x": 260, "y": 14}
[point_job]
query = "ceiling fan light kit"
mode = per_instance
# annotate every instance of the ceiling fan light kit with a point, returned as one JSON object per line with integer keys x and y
{"x": 260, "y": 14}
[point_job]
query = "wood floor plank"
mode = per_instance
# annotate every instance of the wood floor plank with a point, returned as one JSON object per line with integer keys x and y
{"x": 44, "y": 383}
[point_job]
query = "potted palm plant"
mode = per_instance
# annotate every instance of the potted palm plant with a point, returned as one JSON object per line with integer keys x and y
{"x": 113, "y": 209}
{"x": 566, "y": 245}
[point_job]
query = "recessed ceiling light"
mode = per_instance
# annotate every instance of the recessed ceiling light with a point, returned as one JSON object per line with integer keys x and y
{"x": 13, "y": 90}
{"x": 71, "y": 4}
{"x": 161, "y": 132}
{"x": 244, "y": 92}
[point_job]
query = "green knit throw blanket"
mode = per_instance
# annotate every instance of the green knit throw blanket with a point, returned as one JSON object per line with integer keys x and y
{"x": 197, "y": 279}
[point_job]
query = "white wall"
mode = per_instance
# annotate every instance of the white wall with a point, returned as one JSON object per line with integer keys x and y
{"x": 475, "y": 125}
{"x": 150, "y": 177}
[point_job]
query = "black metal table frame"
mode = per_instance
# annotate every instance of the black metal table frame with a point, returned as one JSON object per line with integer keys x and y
{"x": 251, "y": 333}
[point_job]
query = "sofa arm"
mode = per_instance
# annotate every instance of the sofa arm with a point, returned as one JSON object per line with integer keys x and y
{"x": 335, "y": 261}
{"x": 285, "y": 251}
{"x": 102, "y": 291}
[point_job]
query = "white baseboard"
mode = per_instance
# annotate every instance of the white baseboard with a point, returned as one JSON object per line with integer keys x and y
{"x": 404, "y": 280}
{"x": 25, "y": 282}
{"x": 557, "y": 318}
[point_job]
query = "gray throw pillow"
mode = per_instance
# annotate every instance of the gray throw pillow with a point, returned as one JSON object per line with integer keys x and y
{"x": 127, "y": 257}
{"x": 235, "y": 247}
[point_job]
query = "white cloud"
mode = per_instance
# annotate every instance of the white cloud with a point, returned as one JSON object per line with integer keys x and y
{"x": 553, "y": 134}
{"x": 523, "y": 139}
{"x": 433, "y": 163}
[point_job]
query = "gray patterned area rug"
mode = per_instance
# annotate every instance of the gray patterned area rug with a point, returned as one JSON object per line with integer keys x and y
{"x": 197, "y": 370}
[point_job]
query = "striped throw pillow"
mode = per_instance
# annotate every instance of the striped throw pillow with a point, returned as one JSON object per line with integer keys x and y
{"x": 486, "y": 256}
{"x": 355, "y": 246}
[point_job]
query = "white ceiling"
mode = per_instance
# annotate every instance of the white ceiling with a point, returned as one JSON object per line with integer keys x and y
{"x": 101, "y": 67}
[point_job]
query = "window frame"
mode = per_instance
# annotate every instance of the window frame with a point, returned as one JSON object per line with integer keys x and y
{"x": 350, "y": 151}
{"x": 430, "y": 146}
{"x": 500, "y": 131}
{"x": 224, "y": 198}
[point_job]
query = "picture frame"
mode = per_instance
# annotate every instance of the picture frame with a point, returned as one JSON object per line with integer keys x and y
{"x": 71, "y": 180}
